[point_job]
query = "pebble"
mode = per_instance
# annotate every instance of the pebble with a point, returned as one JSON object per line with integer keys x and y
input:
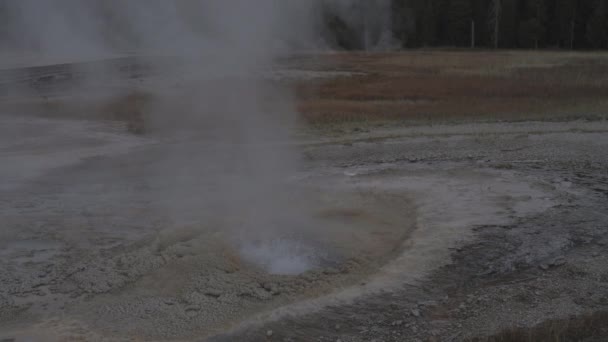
{"x": 559, "y": 262}
{"x": 269, "y": 333}
{"x": 416, "y": 313}
{"x": 213, "y": 293}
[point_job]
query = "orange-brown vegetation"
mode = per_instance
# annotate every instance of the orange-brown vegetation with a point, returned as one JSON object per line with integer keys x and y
{"x": 451, "y": 85}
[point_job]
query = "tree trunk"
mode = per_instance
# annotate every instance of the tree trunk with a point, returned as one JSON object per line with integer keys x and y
{"x": 472, "y": 34}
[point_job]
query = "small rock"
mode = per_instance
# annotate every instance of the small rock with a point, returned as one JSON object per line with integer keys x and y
{"x": 559, "y": 262}
{"x": 397, "y": 323}
{"x": 213, "y": 293}
{"x": 416, "y": 313}
{"x": 544, "y": 267}
{"x": 331, "y": 271}
{"x": 337, "y": 326}
{"x": 269, "y": 333}
{"x": 430, "y": 303}
{"x": 193, "y": 311}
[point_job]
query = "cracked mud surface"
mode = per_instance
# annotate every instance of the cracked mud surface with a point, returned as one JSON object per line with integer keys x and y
{"x": 440, "y": 233}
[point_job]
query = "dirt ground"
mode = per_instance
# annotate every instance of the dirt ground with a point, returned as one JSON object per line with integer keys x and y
{"x": 430, "y": 220}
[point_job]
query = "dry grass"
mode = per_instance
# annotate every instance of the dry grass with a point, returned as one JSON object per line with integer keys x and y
{"x": 592, "y": 327}
{"x": 421, "y": 86}
{"x": 453, "y": 85}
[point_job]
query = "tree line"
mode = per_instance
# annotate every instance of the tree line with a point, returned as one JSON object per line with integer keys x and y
{"x": 561, "y": 24}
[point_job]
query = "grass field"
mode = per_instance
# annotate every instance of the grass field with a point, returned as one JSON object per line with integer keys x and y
{"x": 442, "y": 85}
{"x": 417, "y": 86}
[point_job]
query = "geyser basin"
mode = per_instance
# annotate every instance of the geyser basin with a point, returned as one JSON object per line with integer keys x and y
{"x": 215, "y": 280}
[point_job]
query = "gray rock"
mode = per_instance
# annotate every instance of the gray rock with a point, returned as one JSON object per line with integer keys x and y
{"x": 559, "y": 262}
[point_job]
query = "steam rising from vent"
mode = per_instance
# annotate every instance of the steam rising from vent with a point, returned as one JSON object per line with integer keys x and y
{"x": 226, "y": 126}
{"x": 71, "y": 30}
{"x": 369, "y": 23}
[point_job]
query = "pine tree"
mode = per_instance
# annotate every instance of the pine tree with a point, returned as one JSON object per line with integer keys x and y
{"x": 428, "y": 20}
{"x": 597, "y": 27}
{"x": 532, "y": 29}
{"x": 460, "y": 16}
{"x": 494, "y": 21}
{"x": 564, "y": 24}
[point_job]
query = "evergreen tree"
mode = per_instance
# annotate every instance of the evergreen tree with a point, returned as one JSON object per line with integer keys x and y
{"x": 597, "y": 27}
{"x": 499, "y": 23}
{"x": 563, "y": 32}
{"x": 532, "y": 29}
{"x": 495, "y": 15}
{"x": 460, "y": 16}
{"x": 428, "y": 23}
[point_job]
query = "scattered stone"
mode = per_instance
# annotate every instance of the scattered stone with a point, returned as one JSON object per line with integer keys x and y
{"x": 213, "y": 293}
{"x": 416, "y": 313}
{"x": 331, "y": 271}
{"x": 269, "y": 333}
{"x": 397, "y": 323}
{"x": 559, "y": 262}
{"x": 337, "y": 326}
{"x": 544, "y": 267}
{"x": 193, "y": 311}
{"x": 430, "y": 303}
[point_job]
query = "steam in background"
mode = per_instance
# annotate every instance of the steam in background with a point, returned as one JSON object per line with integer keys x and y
{"x": 70, "y": 30}
{"x": 359, "y": 24}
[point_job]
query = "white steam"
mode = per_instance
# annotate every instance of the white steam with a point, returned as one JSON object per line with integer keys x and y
{"x": 370, "y": 20}
{"x": 229, "y": 157}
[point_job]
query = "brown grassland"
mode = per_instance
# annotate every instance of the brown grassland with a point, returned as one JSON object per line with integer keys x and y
{"x": 442, "y": 85}
{"x": 416, "y": 86}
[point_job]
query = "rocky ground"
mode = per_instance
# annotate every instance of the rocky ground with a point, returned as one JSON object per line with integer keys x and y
{"x": 439, "y": 232}
{"x": 541, "y": 276}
